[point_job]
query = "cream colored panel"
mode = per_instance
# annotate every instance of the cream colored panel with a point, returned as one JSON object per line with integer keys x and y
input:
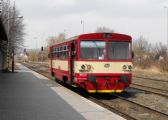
{"x": 59, "y": 64}
{"x": 102, "y": 67}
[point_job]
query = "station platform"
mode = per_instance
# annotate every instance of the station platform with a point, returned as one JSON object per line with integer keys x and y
{"x": 27, "y": 95}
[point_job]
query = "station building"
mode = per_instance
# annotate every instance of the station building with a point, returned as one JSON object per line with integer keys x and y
{"x": 3, "y": 46}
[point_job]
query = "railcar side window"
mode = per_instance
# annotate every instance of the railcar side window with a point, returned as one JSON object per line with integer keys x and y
{"x": 119, "y": 50}
{"x": 53, "y": 53}
{"x": 65, "y": 53}
{"x": 60, "y": 53}
{"x": 92, "y": 50}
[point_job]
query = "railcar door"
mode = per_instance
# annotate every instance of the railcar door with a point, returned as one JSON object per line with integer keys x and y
{"x": 72, "y": 58}
{"x": 50, "y": 57}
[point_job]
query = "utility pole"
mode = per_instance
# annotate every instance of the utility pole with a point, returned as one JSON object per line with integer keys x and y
{"x": 42, "y": 48}
{"x": 65, "y": 33}
{"x": 83, "y": 27}
{"x": 36, "y": 49}
{"x": 8, "y": 33}
{"x": 167, "y": 26}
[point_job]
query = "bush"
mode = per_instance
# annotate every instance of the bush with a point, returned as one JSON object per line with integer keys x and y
{"x": 164, "y": 64}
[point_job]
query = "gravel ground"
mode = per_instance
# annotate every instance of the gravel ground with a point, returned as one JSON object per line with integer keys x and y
{"x": 153, "y": 101}
{"x": 149, "y": 74}
{"x": 151, "y": 83}
{"x": 152, "y": 75}
{"x": 133, "y": 110}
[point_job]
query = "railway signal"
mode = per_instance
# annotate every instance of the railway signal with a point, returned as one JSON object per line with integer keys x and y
{"x": 42, "y": 54}
{"x": 42, "y": 48}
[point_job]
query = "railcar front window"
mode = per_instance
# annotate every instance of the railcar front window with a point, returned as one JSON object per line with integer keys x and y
{"x": 119, "y": 50}
{"x": 92, "y": 50}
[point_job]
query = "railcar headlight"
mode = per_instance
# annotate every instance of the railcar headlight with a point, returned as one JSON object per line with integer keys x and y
{"x": 130, "y": 67}
{"x": 124, "y": 67}
{"x": 89, "y": 67}
{"x": 83, "y": 67}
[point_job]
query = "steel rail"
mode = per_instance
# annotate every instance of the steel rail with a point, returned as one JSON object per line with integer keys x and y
{"x": 159, "y": 80}
{"x": 134, "y": 84}
{"x": 152, "y": 110}
{"x": 150, "y": 90}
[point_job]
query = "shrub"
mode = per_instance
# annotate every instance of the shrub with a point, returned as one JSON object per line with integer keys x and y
{"x": 164, "y": 64}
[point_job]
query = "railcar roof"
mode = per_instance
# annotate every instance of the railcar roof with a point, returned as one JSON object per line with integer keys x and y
{"x": 98, "y": 36}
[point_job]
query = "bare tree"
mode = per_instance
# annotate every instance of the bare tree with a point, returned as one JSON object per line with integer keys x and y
{"x": 142, "y": 50}
{"x": 104, "y": 29}
{"x": 141, "y": 45}
{"x": 43, "y": 55}
{"x": 159, "y": 50}
{"x": 14, "y": 27}
{"x": 13, "y": 23}
{"x": 159, "y": 56}
{"x": 32, "y": 56}
{"x": 53, "y": 40}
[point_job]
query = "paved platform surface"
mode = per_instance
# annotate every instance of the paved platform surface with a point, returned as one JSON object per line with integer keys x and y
{"x": 26, "y": 95}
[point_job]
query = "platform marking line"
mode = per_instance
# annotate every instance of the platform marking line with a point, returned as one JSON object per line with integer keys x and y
{"x": 93, "y": 104}
{"x": 82, "y": 98}
{"x": 65, "y": 96}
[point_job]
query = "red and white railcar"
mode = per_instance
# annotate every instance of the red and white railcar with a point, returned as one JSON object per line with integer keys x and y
{"x": 97, "y": 62}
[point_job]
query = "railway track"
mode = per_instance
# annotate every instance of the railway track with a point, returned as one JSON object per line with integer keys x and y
{"x": 153, "y": 90}
{"x": 112, "y": 108}
{"x": 129, "y": 109}
{"x": 122, "y": 106}
{"x": 152, "y": 79}
{"x": 141, "y": 109}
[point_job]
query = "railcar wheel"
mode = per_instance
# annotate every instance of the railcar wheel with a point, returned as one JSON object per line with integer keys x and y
{"x": 55, "y": 78}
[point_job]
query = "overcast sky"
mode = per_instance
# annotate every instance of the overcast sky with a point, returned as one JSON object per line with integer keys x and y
{"x": 134, "y": 17}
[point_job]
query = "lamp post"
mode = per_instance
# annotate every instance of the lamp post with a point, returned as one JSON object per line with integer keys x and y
{"x": 167, "y": 25}
{"x": 36, "y": 52}
{"x": 13, "y": 51}
{"x": 13, "y": 39}
{"x": 82, "y": 22}
{"x": 13, "y": 48}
